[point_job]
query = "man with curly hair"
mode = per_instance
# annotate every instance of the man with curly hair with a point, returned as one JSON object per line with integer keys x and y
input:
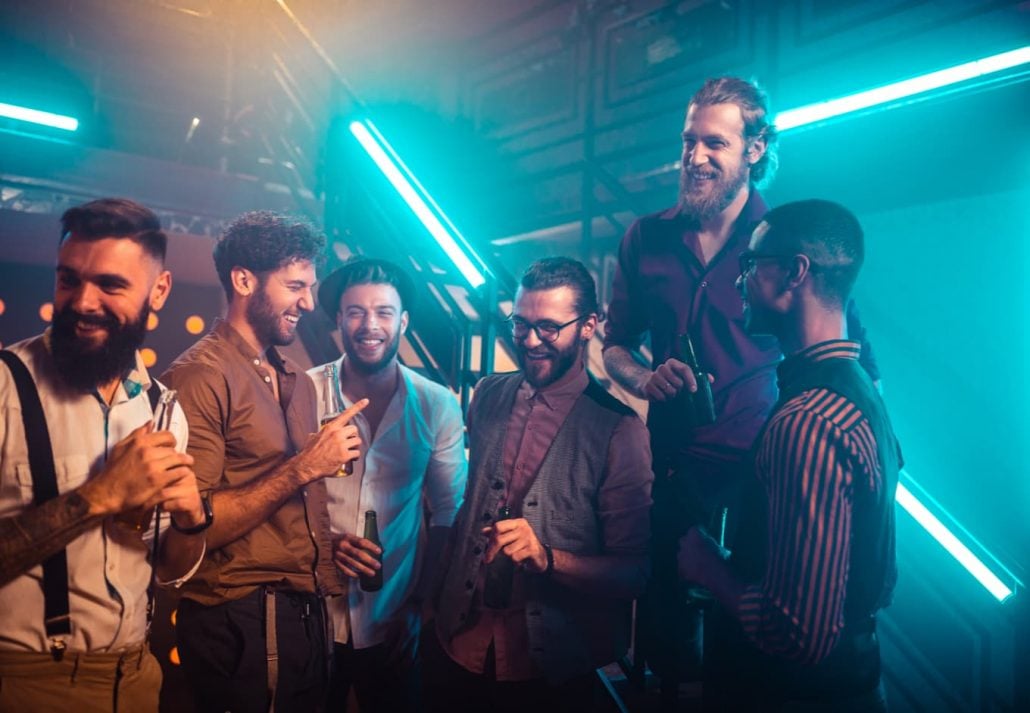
{"x": 252, "y": 629}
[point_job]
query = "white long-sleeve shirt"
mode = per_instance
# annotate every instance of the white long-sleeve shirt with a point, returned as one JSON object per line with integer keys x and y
{"x": 417, "y": 457}
{"x": 109, "y": 564}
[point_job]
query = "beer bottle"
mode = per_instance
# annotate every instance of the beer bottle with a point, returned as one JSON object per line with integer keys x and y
{"x": 499, "y": 575}
{"x": 375, "y": 582}
{"x": 332, "y": 405}
{"x": 701, "y": 403}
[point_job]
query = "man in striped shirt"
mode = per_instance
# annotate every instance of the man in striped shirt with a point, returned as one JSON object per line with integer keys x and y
{"x": 815, "y": 560}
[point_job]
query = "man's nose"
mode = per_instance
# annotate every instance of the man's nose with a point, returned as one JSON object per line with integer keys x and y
{"x": 86, "y": 299}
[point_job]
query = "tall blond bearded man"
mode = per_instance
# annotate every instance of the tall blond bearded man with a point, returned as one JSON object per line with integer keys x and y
{"x": 414, "y": 461}
{"x": 252, "y": 629}
{"x": 675, "y": 276}
{"x": 75, "y": 562}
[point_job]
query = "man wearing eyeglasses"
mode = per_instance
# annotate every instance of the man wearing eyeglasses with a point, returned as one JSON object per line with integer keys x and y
{"x": 674, "y": 277}
{"x": 815, "y": 557}
{"x": 573, "y": 465}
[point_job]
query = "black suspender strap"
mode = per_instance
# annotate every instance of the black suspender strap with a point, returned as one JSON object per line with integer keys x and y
{"x": 44, "y": 488}
{"x": 154, "y": 394}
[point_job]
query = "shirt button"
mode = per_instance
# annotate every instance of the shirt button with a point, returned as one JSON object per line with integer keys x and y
{"x": 268, "y": 379}
{"x": 257, "y": 362}
{"x": 520, "y": 466}
{"x": 704, "y": 283}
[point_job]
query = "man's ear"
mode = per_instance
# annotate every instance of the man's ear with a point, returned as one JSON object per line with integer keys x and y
{"x": 404, "y": 321}
{"x": 160, "y": 291}
{"x": 244, "y": 282}
{"x": 587, "y": 327}
{"x": 755, "y": 150}
{"x": 800, "y": 269}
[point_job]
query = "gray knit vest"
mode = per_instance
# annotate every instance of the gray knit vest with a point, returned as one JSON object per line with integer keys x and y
{"x": 570, "y": 632}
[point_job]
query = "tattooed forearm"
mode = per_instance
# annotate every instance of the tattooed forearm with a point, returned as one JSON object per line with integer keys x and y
{"x": 39, "y": 532}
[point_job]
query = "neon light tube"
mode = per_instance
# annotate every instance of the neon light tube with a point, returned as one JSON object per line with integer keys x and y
{"x": 394, "y": 170}
{"x": 821, "y": 111}
{"x": 35, "y": 116}
{"x": 952, "y": 544}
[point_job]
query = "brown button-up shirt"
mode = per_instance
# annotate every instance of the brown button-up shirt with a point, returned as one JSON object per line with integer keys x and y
{"x": 239, "y": 432}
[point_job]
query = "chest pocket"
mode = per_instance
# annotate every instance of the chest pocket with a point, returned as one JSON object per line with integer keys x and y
{"x": 72, "y": 471}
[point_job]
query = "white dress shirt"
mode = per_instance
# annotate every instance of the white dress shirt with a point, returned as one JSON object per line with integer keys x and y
{"x": 418, "y": 450}
{"x": 109, "y": 564}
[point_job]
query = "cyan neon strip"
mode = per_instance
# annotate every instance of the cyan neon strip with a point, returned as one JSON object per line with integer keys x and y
{"x": 417, "y": 199}
{"x": 955, "y": 547}
{"x": 821, "y": 111}
{"x": 35, "y": 116}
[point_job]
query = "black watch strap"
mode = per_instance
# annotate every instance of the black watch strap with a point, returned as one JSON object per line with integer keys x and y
{"x": 209, "y": 517}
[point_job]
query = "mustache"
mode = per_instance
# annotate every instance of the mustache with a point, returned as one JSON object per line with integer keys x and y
{"x": 70, "y": 316}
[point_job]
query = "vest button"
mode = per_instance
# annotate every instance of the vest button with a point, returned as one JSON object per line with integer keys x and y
{"x": 498, "y": 485}
{"x": 477, "y": 550}
{"x": 486, "y": 517}
{"x": 468, "y": 584}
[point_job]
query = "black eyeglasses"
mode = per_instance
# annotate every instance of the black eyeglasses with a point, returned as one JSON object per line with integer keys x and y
{"x": 546, "y": 330}
{"x": 749, "y": 258}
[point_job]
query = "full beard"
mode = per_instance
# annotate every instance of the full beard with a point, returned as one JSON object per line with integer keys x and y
{"x": 83, "y": 366}
{"x": 560, "y": 362}
{"x": 264, "y": 320}
{"x": 392, "y": 345}
{"x": 700, "y": 206}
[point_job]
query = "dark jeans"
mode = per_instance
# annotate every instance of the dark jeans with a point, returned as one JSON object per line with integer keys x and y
{"x": 223, "y": 653}
{"x": 385, "y": 677}
{"x": 670, "y": 618}
{"x": 450, "y": 688}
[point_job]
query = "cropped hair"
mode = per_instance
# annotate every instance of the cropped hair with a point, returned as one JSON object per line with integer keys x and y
{"x": 116, "y": 218}
{"x": 829, "y": 235}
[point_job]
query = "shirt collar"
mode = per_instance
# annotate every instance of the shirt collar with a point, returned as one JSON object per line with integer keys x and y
{"x": 797, "y": 362}
{"x": 571, "y": 384}
{"x": 225, "y": 330}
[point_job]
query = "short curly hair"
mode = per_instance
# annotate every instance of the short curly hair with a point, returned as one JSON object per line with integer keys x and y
{"x": 262, "y": 241}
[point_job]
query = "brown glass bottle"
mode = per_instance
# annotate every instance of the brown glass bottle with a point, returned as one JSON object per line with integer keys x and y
{"x": 375, "y": 582}
{"x": 499, "y": 575}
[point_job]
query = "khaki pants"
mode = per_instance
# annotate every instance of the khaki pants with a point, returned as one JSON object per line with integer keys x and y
{"x": 127, "y": 682}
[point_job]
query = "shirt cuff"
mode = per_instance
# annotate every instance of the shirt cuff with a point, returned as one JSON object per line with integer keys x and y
{"x": 176, "y": 583}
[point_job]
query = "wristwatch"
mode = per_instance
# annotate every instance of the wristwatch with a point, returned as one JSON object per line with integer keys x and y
{"x": 209, "y": 517}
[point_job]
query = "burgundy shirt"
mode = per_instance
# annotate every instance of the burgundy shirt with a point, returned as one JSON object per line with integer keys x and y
{"x": 663, "y": 286}
{"x": 536, "y": 417}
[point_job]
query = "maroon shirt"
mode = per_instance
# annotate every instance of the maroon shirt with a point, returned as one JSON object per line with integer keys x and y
{"x": 662, "y": 286}
{"x": 536, "y": 417}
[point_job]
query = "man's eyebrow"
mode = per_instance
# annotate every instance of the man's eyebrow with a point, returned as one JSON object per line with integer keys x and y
{"x": 104, "y": 278}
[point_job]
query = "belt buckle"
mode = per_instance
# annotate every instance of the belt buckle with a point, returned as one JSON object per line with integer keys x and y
{"x": 57, "y": 648}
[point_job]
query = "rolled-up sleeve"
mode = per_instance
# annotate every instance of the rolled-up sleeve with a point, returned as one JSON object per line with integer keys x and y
{"x": 203, "y": 396}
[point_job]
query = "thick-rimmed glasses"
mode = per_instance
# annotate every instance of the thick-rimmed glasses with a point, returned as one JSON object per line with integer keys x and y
{"x": 749, "y": 258}
{"x": 546, "y": 330}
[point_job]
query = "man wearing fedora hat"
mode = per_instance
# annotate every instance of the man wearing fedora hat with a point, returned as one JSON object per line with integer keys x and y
{"x": 415, "y": 460}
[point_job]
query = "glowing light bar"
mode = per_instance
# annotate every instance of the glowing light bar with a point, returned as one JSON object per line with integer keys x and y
{"x": 940, "y": 532}
{"x": 821, "y": 111}
{"x": 35, "y": 116}
{"x": 417, "y": 198}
